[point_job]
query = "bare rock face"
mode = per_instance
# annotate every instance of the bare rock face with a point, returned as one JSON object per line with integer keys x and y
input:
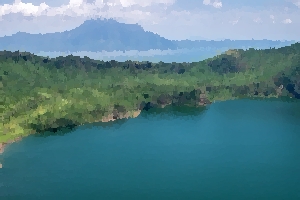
{"x": 2, "y": 145}
{"x": 279, "y": 90}
{"x": 108, "y": 118}
{"x": 119, "y": 115}
{"x": 203, "y": 100}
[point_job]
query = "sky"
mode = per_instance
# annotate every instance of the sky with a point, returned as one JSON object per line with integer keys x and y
{"x": 172, "y": 19}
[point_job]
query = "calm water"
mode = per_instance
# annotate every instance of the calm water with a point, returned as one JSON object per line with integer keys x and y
{"x": 179, "y": 55}
{"x": 242, "y": 149}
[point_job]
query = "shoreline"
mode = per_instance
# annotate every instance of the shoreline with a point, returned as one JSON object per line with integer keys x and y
{"x": 4, "y": 144}
{"x": 110, "y": 117}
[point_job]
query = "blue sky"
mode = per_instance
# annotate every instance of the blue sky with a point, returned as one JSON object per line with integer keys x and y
{"x": 173, "y": 19}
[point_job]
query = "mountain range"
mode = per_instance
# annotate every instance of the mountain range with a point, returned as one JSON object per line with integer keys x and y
{"x": 109, "y": 35}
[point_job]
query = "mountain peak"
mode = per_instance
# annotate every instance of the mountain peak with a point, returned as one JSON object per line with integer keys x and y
{"x": 92, "y": 35}
{"x": 108, "y": 23}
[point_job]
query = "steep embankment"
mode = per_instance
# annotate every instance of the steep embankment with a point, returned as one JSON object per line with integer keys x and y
{"x": 44, "y": 94}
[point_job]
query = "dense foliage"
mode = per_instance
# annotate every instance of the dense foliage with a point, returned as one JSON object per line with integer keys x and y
{"x": 39, "y": 93}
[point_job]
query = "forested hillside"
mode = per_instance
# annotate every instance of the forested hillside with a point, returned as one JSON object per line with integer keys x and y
{"x": 40, "y": 93}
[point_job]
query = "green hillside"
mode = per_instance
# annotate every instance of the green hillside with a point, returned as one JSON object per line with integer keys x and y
{"x": 39, "y": 93}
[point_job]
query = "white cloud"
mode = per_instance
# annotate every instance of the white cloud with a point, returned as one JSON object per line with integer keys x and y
{"x": 25, "y": 8}
{"x": 75, "y": 7}
{"x": 206, "y": 2}
{"x": 272, "y": 17}
{"x": 258, "y": 20}
{"x": 216, "y": 4}
{"x": 297, "y": 3}
{"x": 234, "y": 22}
{"x": 144, "y": 3}
{"x": 287, "y": 21}
{"x": 75, "y": 2}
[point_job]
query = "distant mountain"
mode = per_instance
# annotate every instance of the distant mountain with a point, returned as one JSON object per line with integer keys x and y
{"x": 92, "y": 35}
{"x": 110, "y": 35}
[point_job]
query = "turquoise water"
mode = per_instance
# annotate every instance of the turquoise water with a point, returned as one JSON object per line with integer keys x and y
{"x": 241, "y": 149}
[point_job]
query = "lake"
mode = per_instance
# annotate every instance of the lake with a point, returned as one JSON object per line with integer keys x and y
{"x": 238, "y": 149}
{"x": 156, "y": 55}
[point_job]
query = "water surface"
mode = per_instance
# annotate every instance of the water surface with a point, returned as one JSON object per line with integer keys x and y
{"x": 241, "y": 149}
